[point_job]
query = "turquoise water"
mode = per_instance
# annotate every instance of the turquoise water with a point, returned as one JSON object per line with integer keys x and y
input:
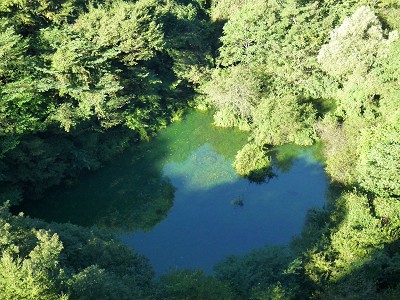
{"x": 177, "y": 199}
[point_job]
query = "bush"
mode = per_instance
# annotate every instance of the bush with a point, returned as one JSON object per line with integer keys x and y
{"x": 252, "y": 162}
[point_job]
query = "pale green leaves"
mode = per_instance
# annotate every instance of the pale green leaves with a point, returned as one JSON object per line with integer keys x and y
{"x": 236, "y": 92}
{"x": 32, "y": 277}
{"x": 223, "y": 9}
{"x": 363, "y": 149}
{"x": 355, "y": 44}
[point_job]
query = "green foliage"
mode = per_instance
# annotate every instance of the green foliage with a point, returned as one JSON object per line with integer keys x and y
{"x": 387, "y": 91}
{"x": 83, "y": 66}
{"x": 247, "y": 33}
{"x": 358, "y": 257}
{"x": 12, "y": 49}
{"x": 20, "y": 106}
{"x": 76, "y": 75}
{"x": 187, "y": 284}
{"x": 29, "y": 264}
{"x": 221, "y": 10}
{"x": 266, "y": 84}
{"x": 29, "y": 15}
{"x": 101, "y": 67}
{"x": 355, "y": 44}
{"x": 32, "y": 277}
{"x": 258, "y": 271}
{"x": 74, "y": 262}
{"x": 339, "y": 146}
{"x": 275, "y": 292}
{"x": 280, "y": 40}
{"x": 282, "y": 119}
{"x": 125, "y": 29}
{"x": 235, "y": 92}
{"x": 188, "y": 35}
{"x": 379, "y": 163}
{"x": 365, "y": 103}
{"x": 357, "y": 234}
{"x": 251, "y": 161}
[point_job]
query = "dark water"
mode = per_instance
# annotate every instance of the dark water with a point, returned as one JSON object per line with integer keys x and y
{"x": 173, "y": 199}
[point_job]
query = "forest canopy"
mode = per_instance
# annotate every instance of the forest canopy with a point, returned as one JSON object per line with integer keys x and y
{"x": 81, "y": 80}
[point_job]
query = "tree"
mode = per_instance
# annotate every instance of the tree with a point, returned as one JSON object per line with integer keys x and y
{"x": 189, "y": 41}
{"x": 235, "y": 92}
{"x": 21, "y": 108}
{"x": 187, "y": 284}
{"x": 89, "y": 55}
{"x": 251, "y": 161}
{"x": 57, "y": 261}
{"x": 281, "y": 119}
{"x": 30, "y": 15}
{"x": 36, "y": 276}
{"x": 260, "y": 270}
{"x": 221, "y": 10}
{"x": 249, "y": 32}
{"x": 355, "y": 44}
{"x": 378, "y": 168}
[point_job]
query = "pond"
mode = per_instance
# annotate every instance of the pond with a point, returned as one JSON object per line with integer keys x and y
{"x": 178, "y": 201}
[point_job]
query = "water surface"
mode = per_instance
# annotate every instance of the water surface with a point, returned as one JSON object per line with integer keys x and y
{"x": 173, "y": 199}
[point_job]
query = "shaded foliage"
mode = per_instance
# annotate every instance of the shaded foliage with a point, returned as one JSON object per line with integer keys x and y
{"x": 187, "y": 284}
{"x": 52, "y": 261}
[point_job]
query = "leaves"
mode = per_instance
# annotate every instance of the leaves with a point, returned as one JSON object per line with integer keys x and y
{"x": 40, "y": 264}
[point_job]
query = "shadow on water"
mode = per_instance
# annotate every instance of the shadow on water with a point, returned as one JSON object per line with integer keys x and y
{"x": 131, "y": 192}
{"x": 284, "y": 156}
{"x": 178, "y": 200}
{"x": 228, "y": 215}
{"x": 126, "y": 194}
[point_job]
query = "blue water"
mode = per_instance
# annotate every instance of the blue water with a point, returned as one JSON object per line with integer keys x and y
{"x": 171, "y": 199}
{"x": 203, "y": 226}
